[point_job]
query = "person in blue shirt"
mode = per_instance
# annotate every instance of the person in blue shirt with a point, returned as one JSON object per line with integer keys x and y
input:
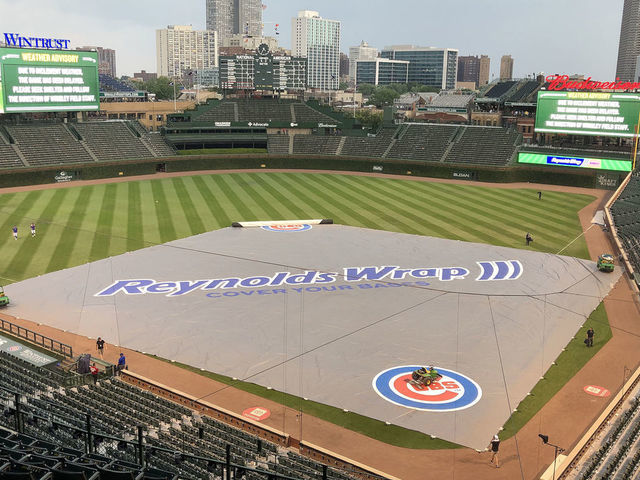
{"x": 15, "y": 232}
{"x": 122, "y": 363}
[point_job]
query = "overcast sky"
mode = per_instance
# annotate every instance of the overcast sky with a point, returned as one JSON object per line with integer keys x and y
{"x": 550, "y": 36}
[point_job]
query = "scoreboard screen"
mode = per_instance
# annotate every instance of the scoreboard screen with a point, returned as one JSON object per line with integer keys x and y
{"x": 588, "y": 113}
{"x": 36, "y": 80}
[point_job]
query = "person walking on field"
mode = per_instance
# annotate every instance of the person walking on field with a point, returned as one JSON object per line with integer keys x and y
{"x": 590, "y": 334}
{"x": 33, "y": 229}
{"x": 495, "y": 446}
{"x": 100, "y": 347}
{"x": 528, "y": 238}
{"x": 15, "y": 232}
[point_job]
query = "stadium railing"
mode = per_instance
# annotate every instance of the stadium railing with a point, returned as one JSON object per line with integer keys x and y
{"x": 36, "y": 338}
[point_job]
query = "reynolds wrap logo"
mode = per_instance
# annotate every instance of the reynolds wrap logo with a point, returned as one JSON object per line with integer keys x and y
{"x": 567, "y": 161}
{"x": 394, "y": 275}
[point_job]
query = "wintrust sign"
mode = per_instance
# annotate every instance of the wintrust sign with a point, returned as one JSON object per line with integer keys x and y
{"x": 17, "y": 40}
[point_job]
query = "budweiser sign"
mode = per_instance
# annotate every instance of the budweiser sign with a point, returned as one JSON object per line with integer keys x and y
{"x": 563, "y": 82}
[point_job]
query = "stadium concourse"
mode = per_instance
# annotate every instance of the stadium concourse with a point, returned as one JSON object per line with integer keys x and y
{"x": 563, "y": 419}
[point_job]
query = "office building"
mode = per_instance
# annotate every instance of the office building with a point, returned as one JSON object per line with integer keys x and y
{"x": 106, "y": 60}
{"x": 506, "y": 67}
{"x": 317, "y": 39}
{"x": 435, "y": 67}
{"x": 181, "y": 49}
{"x": 474, "y": 69}
{"x": 381, "y": 71}
{"x": 628, "y": 65}
{"x": 234, "y": 17}
{"x": 361, "y": 52}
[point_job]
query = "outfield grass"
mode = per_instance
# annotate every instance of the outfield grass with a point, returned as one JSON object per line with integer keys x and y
{"x": 81, "y": 224}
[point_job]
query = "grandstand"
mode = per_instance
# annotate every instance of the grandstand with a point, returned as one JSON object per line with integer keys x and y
{"x": 116, "y": 430}
{"x": 370, "y": 146}
{"x": 451, "y": 101}
{"x": 626, "y": 216}
{"x": 110, "y": 84}
{"x": 35, "y": 145}
{"x": 484, "y": 145}
{"x": 423, "y": 142}
{"x": 500, "y": 90}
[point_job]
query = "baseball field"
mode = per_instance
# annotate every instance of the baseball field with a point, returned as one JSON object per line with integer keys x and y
{"x": 77, "y": 225}
{"x": 82, "y": 224}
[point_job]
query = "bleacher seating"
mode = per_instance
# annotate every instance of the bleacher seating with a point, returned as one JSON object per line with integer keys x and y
{"x": 369, "y": 146}
{"x": 48, "y": 144}
{"x": 264, "y": 111}
{"x": 524, "y": 92}
{"x": 626, "y": 217}
{"x": 499, "y": 89}
{"x": 278, "y": 144}
{"x": 426, "y": 142}
{"x": 306, "y": 114}
{"x": 316, "y": 144}
{"x": 54, "y": 421}
{"x": 112, "y": 141}
{"x": 223, "y": 112}
{"x": 110, "y": 84}
{"x": 158, "y": 144}
{"x": 445, "y": 100}
{"x": 484, "y": 146}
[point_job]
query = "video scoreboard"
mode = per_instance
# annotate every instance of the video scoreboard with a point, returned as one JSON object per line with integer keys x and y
{"x": 37, "y": 80}
{"x": 588, "y": 113}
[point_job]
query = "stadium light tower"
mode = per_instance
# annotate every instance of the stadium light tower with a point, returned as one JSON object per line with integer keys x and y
{"x": 558, "y": 449}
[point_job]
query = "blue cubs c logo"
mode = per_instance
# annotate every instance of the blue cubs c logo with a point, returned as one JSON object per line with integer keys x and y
{"x": 300, "y": 227}
{"x": 453, "y": 391}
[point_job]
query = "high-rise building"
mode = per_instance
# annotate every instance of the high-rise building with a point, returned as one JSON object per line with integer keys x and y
{"x": 629, "y": 47}
{"x": 381, "y": 71}
{"x": 233, "y": 17}
{"x": 344, "y": 65}
{"x": 435, "y": 67}
{"x": 181, "y": 49}
{"x": 506, "y": 67}
{"x": 106, "y": 60}
{"x": 317, "y": 39}
{"x": 474, "y": 69}
{"x": 361, "y": 52}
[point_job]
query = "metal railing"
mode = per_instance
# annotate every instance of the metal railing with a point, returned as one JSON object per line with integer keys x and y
{"x": 36, "y": 338}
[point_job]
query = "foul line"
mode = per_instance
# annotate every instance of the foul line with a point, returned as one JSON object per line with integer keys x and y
{"x": 567, "y": 245}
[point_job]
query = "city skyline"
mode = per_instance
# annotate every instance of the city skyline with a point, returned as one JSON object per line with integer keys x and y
{"x": 86, "y": 23}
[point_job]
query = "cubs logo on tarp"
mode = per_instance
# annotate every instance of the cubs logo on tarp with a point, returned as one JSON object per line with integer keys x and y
{"x": 453, "y": 391}
{"x": 301, "y": 227}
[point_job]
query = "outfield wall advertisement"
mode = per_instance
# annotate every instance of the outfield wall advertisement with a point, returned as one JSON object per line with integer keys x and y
{"x": 577, "y": 162}
{"x": 35, "y": 80}
{"x": 588, "y": 113}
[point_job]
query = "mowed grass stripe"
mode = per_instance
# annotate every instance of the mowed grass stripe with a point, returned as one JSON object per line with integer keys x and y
{"x": 267, "y": 184}
{"x": 149, "y": 214}
{"x": 267, "y": 203}
{"x": 314, "y": 206}
{"x": 220, "y": 217}
{"x": 480, "y": 223}
{"x": 196, "y": 225}
{"x": 347, "y": 202}
{"x": 249, "y": 197}
{"x": 135, "y": 232}
{"x": 102, "y": 236}
{"x": 25, "y": 255}
{"x": 174, "y": 209}
{"x": 323, "y": 196}
{"x": 527, "y": 207}
{"x": 514, "y": 222}
{"x": 231, "y": 197}
{"x": 428, "y": 222}
{"x": 166, "y": 230}
{"x": 66, "y": 244}
{"x": 24, "y": 202}
{"x": 484, "y": 215}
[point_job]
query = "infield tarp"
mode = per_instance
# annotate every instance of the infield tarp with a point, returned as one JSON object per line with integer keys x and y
{"x": 299, "y": 311}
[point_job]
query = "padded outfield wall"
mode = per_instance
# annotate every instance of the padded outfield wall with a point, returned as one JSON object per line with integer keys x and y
{"x": 544, "y": 175}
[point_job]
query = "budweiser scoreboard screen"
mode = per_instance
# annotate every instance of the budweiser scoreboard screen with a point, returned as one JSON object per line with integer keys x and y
{"x": 588, "y": 113}
{"x": 36, "y": 80}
